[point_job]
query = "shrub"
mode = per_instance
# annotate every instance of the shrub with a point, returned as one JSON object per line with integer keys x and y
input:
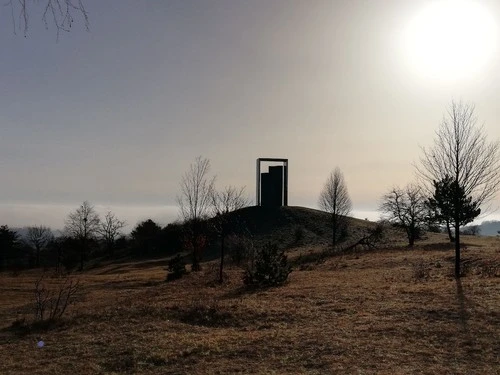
{"x": 176, "y": 268}
{"x": 51, "y": 302}
{"x": 270, "y": 267}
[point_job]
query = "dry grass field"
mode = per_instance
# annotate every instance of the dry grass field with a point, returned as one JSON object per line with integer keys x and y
{"x": 389, "y": 311}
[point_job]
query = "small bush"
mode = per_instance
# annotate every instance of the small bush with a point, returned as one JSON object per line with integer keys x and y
{"x": 176, "y": 268}
{"x": 51, "y": 302}
{"x": 270, "y": 267}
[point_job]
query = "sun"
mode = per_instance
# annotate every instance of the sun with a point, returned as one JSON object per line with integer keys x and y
{"x": 450, "y": 40}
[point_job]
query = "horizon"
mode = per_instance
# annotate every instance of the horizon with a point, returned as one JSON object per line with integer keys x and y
{"x": 164, "y": 215}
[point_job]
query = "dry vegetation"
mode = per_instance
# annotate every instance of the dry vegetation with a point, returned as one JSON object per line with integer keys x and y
{"x": 391, "y": 311}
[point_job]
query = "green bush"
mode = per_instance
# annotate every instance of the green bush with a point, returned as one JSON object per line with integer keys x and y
{"x": 176, "y": 268}
{"x": 270, "y": 267}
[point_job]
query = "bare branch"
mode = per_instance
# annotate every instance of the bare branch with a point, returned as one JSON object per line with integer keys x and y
{"x": 39, "y": 237}
{"x": 228, "y": 200}
{"x": 109, "y": 229}
{"x": 60, "y": 12}
{"x": 196, "y": 190}
{"x": 195, "y": 202}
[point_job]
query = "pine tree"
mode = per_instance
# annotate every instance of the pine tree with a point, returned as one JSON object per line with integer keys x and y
{"x": 449, "y": 204}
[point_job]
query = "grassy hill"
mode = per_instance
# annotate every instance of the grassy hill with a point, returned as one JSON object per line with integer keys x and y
{"x": 392, "y": 310}
{"x": 291, "y": 226}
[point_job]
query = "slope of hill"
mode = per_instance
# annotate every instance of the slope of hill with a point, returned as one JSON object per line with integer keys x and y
{"x": 282, "y": 224}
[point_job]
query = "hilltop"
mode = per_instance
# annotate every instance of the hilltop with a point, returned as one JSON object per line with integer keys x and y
{"x": 280, "y": 224}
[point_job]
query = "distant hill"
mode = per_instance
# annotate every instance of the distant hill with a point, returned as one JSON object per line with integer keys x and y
{"x": 490, "y": 228}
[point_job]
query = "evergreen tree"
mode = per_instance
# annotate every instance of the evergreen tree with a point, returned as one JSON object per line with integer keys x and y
{"x": 8, "y": 244}
{"x": 450, "y": 204}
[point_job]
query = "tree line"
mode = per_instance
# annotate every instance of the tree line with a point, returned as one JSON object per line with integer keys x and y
{"x": 86, "y": 236}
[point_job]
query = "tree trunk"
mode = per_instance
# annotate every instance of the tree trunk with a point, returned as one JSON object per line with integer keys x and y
{"x": 195, "y": 267}
{"x": 221, "y": 269}
{"x": 457, "y": 249}
{"x": 82, "y": 254}
{"x": 111, "y": 249}
{"x": 334, "y": 230}
{"x": 411, "y": 240}
{"x": 38, "y": 257}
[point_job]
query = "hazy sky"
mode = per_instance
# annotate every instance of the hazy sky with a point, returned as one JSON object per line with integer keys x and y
{"x": 116, "y": 115}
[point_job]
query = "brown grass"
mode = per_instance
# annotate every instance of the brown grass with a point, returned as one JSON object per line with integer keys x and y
{"x": 360, "y": 313}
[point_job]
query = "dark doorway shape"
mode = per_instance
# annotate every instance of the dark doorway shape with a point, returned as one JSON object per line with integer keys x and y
{"x": 272, "y": 186}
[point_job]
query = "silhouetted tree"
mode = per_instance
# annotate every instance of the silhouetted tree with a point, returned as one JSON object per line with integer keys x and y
{"x": 109, "y": 230}
{"x": 443, "y": 201}
{"x": 195, "y": 203}
{"x": 38, "y": 237}
{"x": 223, "y": 202}
{"x": 407, "y": 209}
{"x": 61, "y": 13}
{"x": 83, "y": 224}
{"x": 63, "y": 251}
{"x": 8, "y": 245}
{"x": 55, "y": 252}
{"x": 462, "y": 151}
{"x": 172, "y": 237}
{"x": 146, "y": 236}
{"x": 335, "y": 200}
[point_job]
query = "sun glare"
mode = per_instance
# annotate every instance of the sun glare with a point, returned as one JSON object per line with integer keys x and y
{"x": 450, "y": 40}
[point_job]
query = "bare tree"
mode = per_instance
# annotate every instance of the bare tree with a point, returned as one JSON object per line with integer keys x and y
{"x": 407, "y": 209}
{"x": 195, "y": 203}
{"x": 463, "y": 153}
{"x": 59, "y": 12}
{"x": 54, "y": 299}
{"x": 83, "y": 224}
{"x": 110, "y": 228}
{"x": 334, "y": 199}
{"x": 223, "y": 202}
{"x": 229, "y": 199}
{"x": 39, "y": 237}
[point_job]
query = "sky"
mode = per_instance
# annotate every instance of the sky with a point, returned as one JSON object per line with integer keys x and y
{"x": 115, "y": 115}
